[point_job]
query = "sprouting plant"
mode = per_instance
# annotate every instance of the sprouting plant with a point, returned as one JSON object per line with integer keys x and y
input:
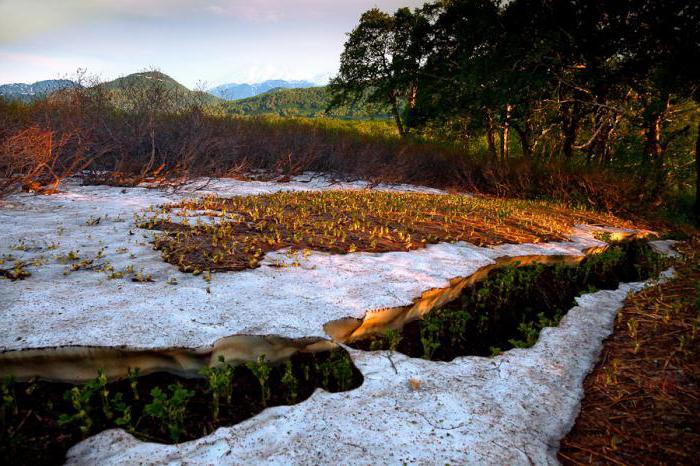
{"x": 170, "y": 410}
{"x": 133, "y": 374}
{"x": 342, "y": 370}
{"x": 80, "y": 401}
{"x": 394, "y": 338}
{"x": 220, "y": 384}
{"x": 100, "y": 386}
{"x": 290, "y": 381}
{"x": 529, "y": 333}
{"x": 142, "y": 277}
{"x": 337, "y": 367}
{"x": 18, "y": 272}
{"x": 261, "y": 369}
{"x": 123, "y": 411}
{"x": 429, "y": 335}
{"x": 9, "y": 399}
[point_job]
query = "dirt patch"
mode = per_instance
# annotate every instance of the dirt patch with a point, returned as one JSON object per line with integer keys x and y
{"x": 512, "y": 304}
{"x": 237, "y": 232}
{"x": 40, "y": 420}
{"x": 642, "y": 402}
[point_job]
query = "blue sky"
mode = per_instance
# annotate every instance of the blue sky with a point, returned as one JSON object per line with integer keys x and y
{"x": 197, "y": 42}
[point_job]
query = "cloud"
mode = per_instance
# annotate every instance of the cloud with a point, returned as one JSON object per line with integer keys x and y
{"x": 31, "y": 59}
{"x": 20, "y": 19}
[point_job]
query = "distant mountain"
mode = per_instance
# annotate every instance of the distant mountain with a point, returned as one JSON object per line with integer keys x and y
{"x": 235, "y": 91}
{"x": 29, "y": 92}
{"x": 120, "y": 87}
{"x": 305, "y": 102}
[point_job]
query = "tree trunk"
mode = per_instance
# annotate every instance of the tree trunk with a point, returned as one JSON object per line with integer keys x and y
{"x": 525, "y": 144}
{"x": 697, "y": 175}
{"x": 397, "y": 115}
{"x": 504, "y": 132}
{"x": 570, "y": 128}
{"x": 653, "y": 149}
{"x": 490, "y": 134}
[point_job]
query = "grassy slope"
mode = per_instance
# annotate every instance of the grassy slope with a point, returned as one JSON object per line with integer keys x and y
{"x": 306, "y": 102}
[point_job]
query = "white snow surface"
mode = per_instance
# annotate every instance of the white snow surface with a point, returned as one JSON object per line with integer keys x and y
{"x": 85, "y": 307}
{"x": 512, "y": 409}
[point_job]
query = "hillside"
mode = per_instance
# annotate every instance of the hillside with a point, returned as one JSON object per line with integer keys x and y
{"x": 235, "y": 91}
{"x": 307, "y": 102}
{"x": 121, "y": 89}
{"x": 29, "y": 92}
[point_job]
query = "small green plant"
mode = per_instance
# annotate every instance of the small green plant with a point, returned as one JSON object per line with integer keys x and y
{"x": 123, "y": 411}
{"x": 220, "y": 384}
{"x": 261, "y": 369}
{"x": 100, "y": 386}
{"x": 170, "y": 409}
{"x": 142, "y": 277}
{"x": 429, "y": 335}
{"x": 133, "y": 374}
{"x": 9, "y": 399}
{"x": 291, "y": 382}
{"x": 338, "y": 368}
{"x": 80, "y": 401}
{"x": 394, "y": 337}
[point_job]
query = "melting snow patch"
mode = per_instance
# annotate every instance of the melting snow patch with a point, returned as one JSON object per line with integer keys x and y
{"x": 511, "y": 409}
{"x": 59, "y": 307}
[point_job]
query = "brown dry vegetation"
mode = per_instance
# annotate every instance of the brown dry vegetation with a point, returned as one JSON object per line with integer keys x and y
{"x": 156, "y": 136}
{"x": 244, "y": 228}
{"x": 642, "y": 403}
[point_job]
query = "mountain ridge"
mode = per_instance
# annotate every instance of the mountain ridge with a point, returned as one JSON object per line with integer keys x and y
{"x": 236, "y": 91}
{"x": 28, "y": 92}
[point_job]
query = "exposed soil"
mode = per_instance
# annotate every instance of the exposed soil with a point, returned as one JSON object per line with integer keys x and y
{"x": 32, "y": 432}
{"x": 239, "y": 231}
{"x": 642, "y": 402}
{"x": 510, "y": 307}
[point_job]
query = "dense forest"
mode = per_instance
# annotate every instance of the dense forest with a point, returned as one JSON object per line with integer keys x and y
{"x": 590, "y": 103}
{"x": 605, "y": 83}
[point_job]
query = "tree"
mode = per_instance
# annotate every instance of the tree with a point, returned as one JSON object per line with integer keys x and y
{"x": 380, "y": 63}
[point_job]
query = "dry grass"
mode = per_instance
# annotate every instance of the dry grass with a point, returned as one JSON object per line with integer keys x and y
{"x": 642, "y": 403}
{"x": 239, "y": 230}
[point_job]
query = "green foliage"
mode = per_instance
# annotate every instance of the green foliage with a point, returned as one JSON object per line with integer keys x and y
{"x": 261, "y": 369}
{"x": 170, "y": 409}
{"x": 530, "y": 331}
{"x": 123, "y": 411}
{"x": 220, "y": 384}
{"x": 80, "y": 398}
{"x": 8, "y": 407}
{"x": 291, "y": 382}
{"x": 133, "y": 374}
{"x": 303, "y": 102}
{"x": 337, "y": 368}
{"x": 430, "y": 335}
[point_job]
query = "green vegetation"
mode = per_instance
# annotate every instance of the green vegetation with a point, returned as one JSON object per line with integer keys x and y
{"x": 261, "y": 369}
{"x": 40, "y": 420}
{"x": 243, "y": 228}
{"x": 510, "y": 307}
{"x": 574, "y": 80}
{"x": 303, "y": 102}
{"x": 170, "y": 410}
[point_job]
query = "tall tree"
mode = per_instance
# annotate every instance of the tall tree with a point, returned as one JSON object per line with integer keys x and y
{"x": 381, "y": 62}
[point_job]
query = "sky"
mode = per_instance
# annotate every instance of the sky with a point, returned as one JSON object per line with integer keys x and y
{"x": 200, "y": 43}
